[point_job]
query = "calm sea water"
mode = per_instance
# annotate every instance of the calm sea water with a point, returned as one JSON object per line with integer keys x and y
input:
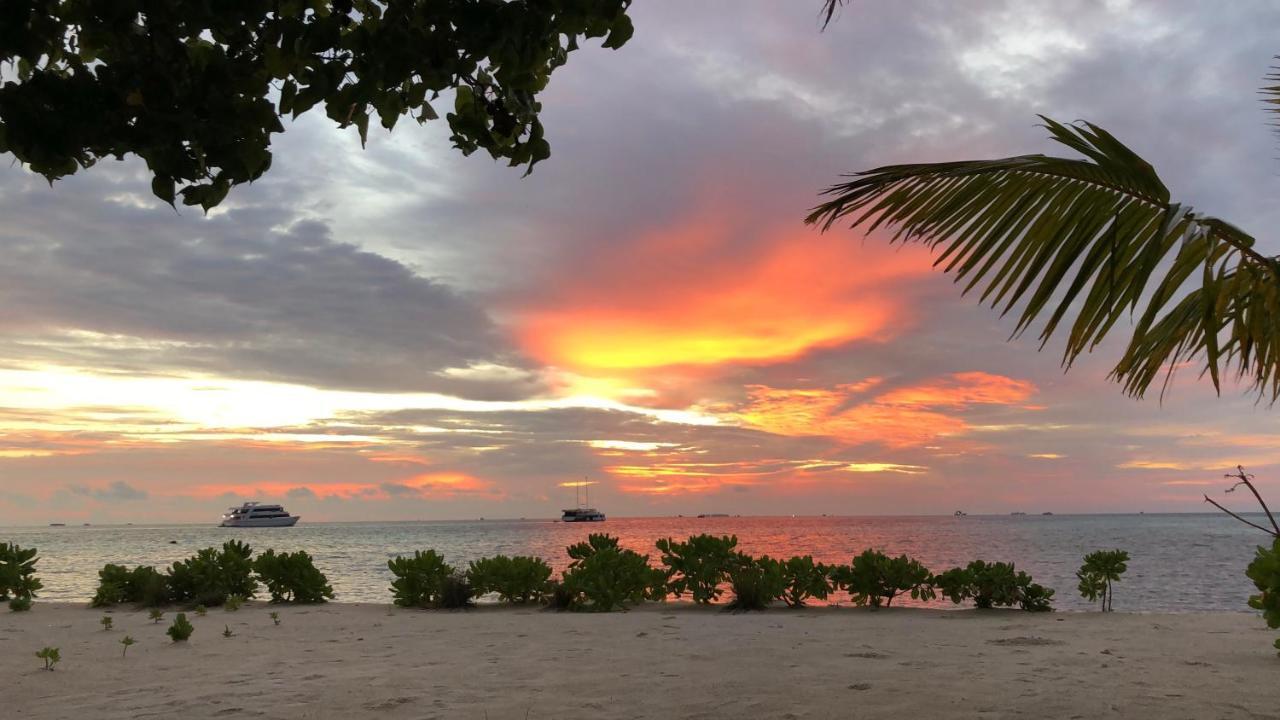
{"x": 1179, "y": 562}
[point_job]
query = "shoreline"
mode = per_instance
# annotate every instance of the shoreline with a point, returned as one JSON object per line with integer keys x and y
{"x": 660, "y": 660}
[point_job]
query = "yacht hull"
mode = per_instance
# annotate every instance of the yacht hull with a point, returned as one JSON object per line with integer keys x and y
{"x": 261, "y": 522}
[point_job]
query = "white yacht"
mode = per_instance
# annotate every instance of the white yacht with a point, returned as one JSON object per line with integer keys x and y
{"x": 255, "y": 515}
{"x": 582, "y": 513}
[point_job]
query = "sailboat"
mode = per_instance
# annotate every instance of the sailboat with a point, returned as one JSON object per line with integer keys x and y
{"x": 582, "y": 513}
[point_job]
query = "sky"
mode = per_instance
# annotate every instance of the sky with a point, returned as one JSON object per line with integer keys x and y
{"x": 401, "y": 333}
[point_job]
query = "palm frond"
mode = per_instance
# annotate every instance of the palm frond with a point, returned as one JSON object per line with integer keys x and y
{"x": 1270, "y": 92}
{"x": 1089, "y": 239}
{"x": 829, "y": 8}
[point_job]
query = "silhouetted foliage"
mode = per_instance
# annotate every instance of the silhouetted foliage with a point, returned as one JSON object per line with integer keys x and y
{"x": 419, "y": 580}
{"x": 1099, "y": 571}
{"x": 993, "y": 585}
{"x": 18, "y": 572}
{"x": 107, "y": 622}
{"x": 50, "y": 655}
{"x": 292, "y": 577}
{"x": 212, "y": 575}
{"x": 197, "y": 89}
{"x": 126, "y": 641}
{"x": 181, "y": 628}
{"x": 603, "y": 577}
{"x": 873, "y": 578}
{"x": 19, "y": 604}
{"x": 518, "y": 579}
{"x": 456, "y": 592}
{"x": 756, "y": 583}
{"x": 699, "y": 565}
{"x": 805, "y": 579}
{"x": 560, "y": 597}
{"x": 233, "y": 603}
{"x": 1264, "y": 571}
{"x": 141, "y": 585}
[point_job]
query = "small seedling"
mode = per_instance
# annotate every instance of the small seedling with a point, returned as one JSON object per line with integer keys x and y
{"x": 107, "y": 622}
{"x": 20, "y": 604}
{"x": 50, "y": 656}
{"x": 233, "y": 603}
{"x": 181, "y": 628}
{"x": 156, "y": 615}
{"x": 201, "y": 610}
{"x": 275, "y": 618}
{"x": 226, "y": 632}
{"x": 126, "y": 641}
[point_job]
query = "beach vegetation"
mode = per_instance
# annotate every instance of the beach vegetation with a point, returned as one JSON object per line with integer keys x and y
{"x": 1264, "y": 570}
{"x": 292, "y": 577}
{"x": 805, "y": 579}
{"x": 181, "y": 628}
{"x": 518, "y": 579}
{"x": 107, "y": 622}
{"x": 275, "y": 617}
{"x": 756, "y": 583}
{"x": 994, "y": 584}
{"x": 226, "y": 631}
{"x": 874, "y": 578}
{"x": 1099, "y": 571}
{"x": 456, "y": 592}
{"x": 700, "y": 565}
{"x": 559, "y": 597}
{"x": 19, "y": 604}
{"x": 51, "y": 656}
{"x": 155, "y": 615}
{"x": 603, "y": 577}
{"x": 18, "y": 572}
{"x": 201, "y": 610}
{"x": 213, "y": 574}
{"x": 233, "y": 603}
{"x": 142, "y": 585}
{"x": 419, "y": 579}
{"x": 126, "y": 641}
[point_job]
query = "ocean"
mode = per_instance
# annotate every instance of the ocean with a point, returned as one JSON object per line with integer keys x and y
{"x": 1179, "y": 563}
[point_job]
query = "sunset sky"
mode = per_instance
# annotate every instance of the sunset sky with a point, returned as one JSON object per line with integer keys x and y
{"x": 404, "y": 333}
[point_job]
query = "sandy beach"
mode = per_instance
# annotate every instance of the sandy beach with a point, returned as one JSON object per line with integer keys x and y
{"x": 660, "y": 661}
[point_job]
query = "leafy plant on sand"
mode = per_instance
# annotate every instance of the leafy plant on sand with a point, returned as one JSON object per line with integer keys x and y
{"x": 155, "y": 615}
{"x": 805, "y": 579}
{"x": 456, "y": 592}
{"x": 1264, "y": 571}
{"x": 126, "y": 641}
{"x": 181, "y": 628}
{"x": 19, "y": 604}
{"x": 141, "y": 585}
{"x": 18, "y": 573}
{"x": 233, "y": 603}
{"x": 201, "y": 610}
{"x": 699, "y": 565}
{"x": 419, "y": 580}
{"x": 603, "y": 577}
{"x": 107, "y": 622}
{"x": 226, "y": 631}
{"x": 292, "y": 577}
{"x": 756, "y": 583}
{"x": 991, "y": 585}
{"x": 1099, "y": 571}
{"x": 874, "y": 578}
{"x": 212, "y": 575}
{"x": 198, "y": 89}
{"x": 275, "y": 617}
{"x": 518, "y": 579}
{"x": 51, "y": 656}
{"x": 559, "y": 597}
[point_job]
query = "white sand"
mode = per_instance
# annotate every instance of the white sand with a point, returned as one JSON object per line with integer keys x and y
{"x": 664, "y": 661}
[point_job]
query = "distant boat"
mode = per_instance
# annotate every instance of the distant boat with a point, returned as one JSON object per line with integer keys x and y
{"x": 960, "y": 513}
{"x": 57, "y": 524}
{"x": 709, "y": 515}
{"x": 1017, "y": 513}
{"x": 1046, "y": 513}
{"x": 256, "y": 515}
{"x": 582, "y": 513}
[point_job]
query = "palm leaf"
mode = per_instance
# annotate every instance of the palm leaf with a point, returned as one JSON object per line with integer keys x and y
{"x": 1086, "y": 241}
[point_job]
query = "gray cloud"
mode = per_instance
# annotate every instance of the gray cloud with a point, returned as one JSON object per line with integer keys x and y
{"x": 118, "y": 491}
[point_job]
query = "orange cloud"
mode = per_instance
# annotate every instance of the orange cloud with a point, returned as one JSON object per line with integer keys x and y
{"x": 704, "y": 292}
{"x": 905, "y": 416}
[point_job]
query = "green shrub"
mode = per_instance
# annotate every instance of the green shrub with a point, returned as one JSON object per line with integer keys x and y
{"x": 19, "y": 604}
{"x": 1264, "y": 571}
{"x": 805, "y": 579}
{"x": 699, "y": 565}
{"x": 874, "y": 578}
{"x": 419, "y": 579}
{"x": 603, "y": 577}
{"x": 141, "y": 585}
{"x": 456, "y": 592}
{"x": 181, "y": 628}
{"x": 155, "y": 615}
{"x": 993, "y": 585}
{"x": 560, "y": 597}
{"x": 233, "y": 603}
{"x": 107, "y": 622}
{"x": 517, "y": 579}
{"x": 1099, "y": 571}
{"x": 126, "y": 641}
{"x": 756, "y": 583}
{"x": 18, "y": 572}
{"x": 275, "y": 618}
{"x": 212, "y": 575}
{"x": 50, "y": 655}
{"x": 292, "y": 577}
